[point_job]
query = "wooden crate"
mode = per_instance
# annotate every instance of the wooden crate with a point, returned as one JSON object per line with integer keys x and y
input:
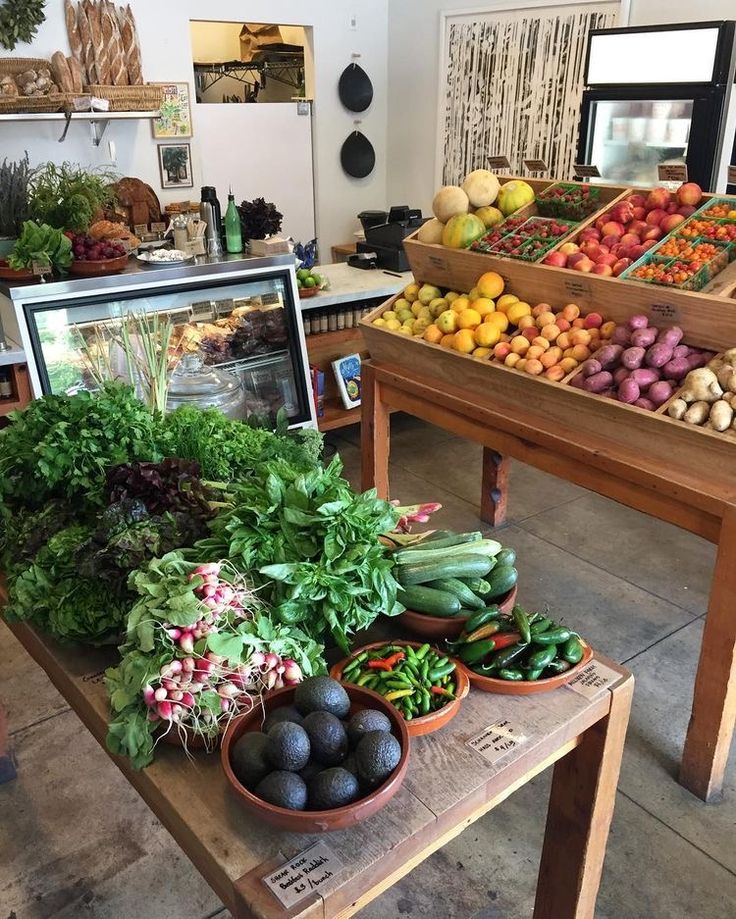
{"x": 607, "y": 424}
{"x": 459, "y": 269}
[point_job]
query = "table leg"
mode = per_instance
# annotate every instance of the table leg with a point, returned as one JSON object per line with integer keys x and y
{"x": 494, "y": 487}
{"x": 714, "y": 701}
{"x": 374, "y": 434}
{"x": 579, "y": 816}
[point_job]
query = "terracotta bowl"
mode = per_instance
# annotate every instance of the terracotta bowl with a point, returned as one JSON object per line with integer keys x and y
{"x": 306, "y": 292}
{"x": 317, "y": 821}
{"x": 15, "y": 274}
{"x": 426, "y": 724}
{"x": 510, "y": 688}
{"x": 90, "y": 269}
{"x": 437, "y": 627}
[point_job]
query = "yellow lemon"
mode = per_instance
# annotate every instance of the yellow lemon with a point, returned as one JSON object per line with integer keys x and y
{"x": 499, "y": 320}
{"x": 451, "y": 296}
{"x": 462, "y": 303}
{"x": 411, "y": 293}
{"x": 487, "y": 335}
{"x": 421, "y": 324}
{"x": 504, "y": 302}
{"x": 447, "y": 322}
{"x": 416, "y": 306}
{"x": 517, "y": 310}
{"x": 379, "y": 322}
{"x": 393, "y": 324}
{"x": 405, "y": 330}
{"x": 468, "y": 319}
{"x": 482, "y": 353}
{"x": 437, "y": 306}
{"x": 447, "y": 341}
{"x": 464, "y": 341}
{"x": 402, "y": 304}
{"x": 433, "y": 333}
{"x": 490, "y": 285}
{"x": 484, "y": 306}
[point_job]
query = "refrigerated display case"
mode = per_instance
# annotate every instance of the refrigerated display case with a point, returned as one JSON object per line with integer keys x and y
{"x": 241, "y": 314}
{"x": 660, "y": 95}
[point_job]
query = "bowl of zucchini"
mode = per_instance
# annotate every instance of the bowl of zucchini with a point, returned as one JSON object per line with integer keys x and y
{"x": 519, "y": 653}
{"x": 446, "y": 577}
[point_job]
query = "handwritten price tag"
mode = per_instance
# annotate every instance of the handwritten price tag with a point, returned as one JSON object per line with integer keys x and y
{"x": 593, "y": 680}
{"x": 536, "y": 165}
{"x": 666, "y": 311}
{"x": 672, "y": 172}
{"x": 498, "y": 739}
{"x": 499, "y": 162}
{"x": 589, "y": 172}
{"x": 732, "y": 175}
{"x": 303, "y": 875}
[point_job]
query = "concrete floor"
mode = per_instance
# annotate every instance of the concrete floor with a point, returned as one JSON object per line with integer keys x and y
{"x": 76, "y": 840}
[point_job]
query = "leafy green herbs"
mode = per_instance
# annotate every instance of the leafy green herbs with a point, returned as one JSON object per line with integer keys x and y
{"x": 14, "y": 178}
{"x": 227, "y": 450}
{"x": 63, "y": 446}
{"x": 315, "y": 545}
{"x": 42, "y": 244}
{"x": 19, "y": 21}
{"x": 69, "y": 197}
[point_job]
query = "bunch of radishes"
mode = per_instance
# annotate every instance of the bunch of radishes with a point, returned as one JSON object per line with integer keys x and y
{"x": 175, "y": 696}
{"x": 641, "y": 366}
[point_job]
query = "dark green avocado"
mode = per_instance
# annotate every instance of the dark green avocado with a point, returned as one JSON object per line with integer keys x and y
{"x": 284, "y": 789}
{"x": 288, "y": 746}
{"x": 322, "y": 694}
{"x": 332, "y": 788}
{"x": 249, "y": 760}
{"x": 369, "y": 719}
{"x": 327, "y": 737}
{"x": 377, "y": 755}
{"x": 277, "y": 715}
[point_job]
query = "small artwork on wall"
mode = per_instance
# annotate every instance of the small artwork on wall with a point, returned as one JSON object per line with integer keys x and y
{"x": 175, "y": 164}
{"x": 176, "y": 114}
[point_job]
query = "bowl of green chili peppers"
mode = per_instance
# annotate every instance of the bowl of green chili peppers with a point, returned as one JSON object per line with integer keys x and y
{"x": 423, "y": 684}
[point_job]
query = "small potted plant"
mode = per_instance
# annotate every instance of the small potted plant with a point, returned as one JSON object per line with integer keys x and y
{"x": 260, "y": 222}
{"x": 14, "y": 177}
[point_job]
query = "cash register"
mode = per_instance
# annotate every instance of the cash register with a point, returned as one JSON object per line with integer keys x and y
{"x": 384, "y": 238}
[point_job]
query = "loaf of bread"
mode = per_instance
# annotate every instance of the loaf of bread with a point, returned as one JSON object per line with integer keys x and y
{"x": 75, "y": 37}
{"x": 99, "y": 44}
{"x": 62, "y": 73}
{"x": 88, "y": 50}
{"x": 75, "y": 69}
{"x": 118, "y": 63}
{"x": 131, "y": 47}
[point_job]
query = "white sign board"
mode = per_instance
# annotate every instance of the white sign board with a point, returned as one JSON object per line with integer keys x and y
{"x": 305, "y": 874}
{"x": 497, "y": 740}
{"x": 672, "y": 172}
{"x": 593, "y": 680}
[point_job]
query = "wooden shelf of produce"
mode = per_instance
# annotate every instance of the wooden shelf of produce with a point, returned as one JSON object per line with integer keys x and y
{"x": 324, "y": 348}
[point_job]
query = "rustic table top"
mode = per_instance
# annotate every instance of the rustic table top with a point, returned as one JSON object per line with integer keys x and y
{"x": 449, "y": 784}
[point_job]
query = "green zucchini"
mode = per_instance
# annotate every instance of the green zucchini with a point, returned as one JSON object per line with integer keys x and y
{"x": 487, "y": 547}
{"x": 479, "y": 586}
{"x": 455, "y": 586}
{"x": 444, "y": 539}
{"x": 501, "y": 579}
{"x": 427, "y": 600}
{"x": 506, "y": 557}
{"x": 422, "y": 572}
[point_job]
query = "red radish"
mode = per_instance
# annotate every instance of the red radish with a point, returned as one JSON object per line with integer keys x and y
{"x": 164, "y": 710}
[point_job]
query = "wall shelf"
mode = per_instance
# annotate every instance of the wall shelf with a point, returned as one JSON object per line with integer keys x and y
{"x": 98, "y": 121}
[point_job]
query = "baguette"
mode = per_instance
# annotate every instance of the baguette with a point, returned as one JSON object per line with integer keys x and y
{"x": 75, "y": 70}
{"x": 62, "y": 73}
{"x": 88, "y": 50}
{"x": 101, "y": 34}
{"x": 118, "y": 65}
{"x": 75, "y": 38}
{"x": 131, "y": 46}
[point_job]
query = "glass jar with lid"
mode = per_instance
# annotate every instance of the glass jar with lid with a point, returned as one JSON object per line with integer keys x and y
{"x": 194, "y": 383}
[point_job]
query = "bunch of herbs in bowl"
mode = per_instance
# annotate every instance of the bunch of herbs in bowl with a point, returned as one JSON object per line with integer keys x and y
{"x": 14, "y": 178}
{"x": 69, "y": 197}
{"x": 40, "y": 249}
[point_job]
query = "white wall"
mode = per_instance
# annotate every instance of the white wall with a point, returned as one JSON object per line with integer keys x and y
{"x": 414, "y": 28}
{"x": 166, "y": 46}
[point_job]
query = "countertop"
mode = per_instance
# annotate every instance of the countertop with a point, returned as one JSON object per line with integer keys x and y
{"x": 350, "y": 284}
{"x": 13, "y": 355}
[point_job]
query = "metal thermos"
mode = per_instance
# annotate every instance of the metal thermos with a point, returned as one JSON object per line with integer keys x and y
{"x": 207, "y": 214}
{"x": 209, "y": 195}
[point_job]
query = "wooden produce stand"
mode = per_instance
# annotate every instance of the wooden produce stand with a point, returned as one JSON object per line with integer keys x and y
{"x": 449, "y": 785}
{"x": 676, "y": 472}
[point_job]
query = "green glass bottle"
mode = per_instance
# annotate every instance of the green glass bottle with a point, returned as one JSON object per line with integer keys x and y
{"x": 233, "y": 234}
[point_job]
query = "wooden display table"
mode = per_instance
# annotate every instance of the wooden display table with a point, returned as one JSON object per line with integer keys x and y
{"x": 449, "y": 785}
{"x": 619, "y": 456}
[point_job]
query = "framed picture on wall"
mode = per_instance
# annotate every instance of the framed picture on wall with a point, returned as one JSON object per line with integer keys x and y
{"x": 175, "y": 165}
{"x": 176, "y": 113}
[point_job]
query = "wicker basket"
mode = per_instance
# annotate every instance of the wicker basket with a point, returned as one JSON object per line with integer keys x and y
{"x": 17, "y": 105}
{"x": 146, "y": 98}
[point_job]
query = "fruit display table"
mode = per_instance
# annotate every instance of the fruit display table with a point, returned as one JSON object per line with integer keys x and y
{"x": 449, "y": 785}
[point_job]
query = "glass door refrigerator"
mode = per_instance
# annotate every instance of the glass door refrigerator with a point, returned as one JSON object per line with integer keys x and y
{"x": 660, "y": 95}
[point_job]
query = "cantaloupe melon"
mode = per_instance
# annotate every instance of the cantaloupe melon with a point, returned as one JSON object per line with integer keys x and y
{"x": 513, "y": 195}
{"x": 431, "y": 231}
{"x": 491, "y": 216}
{"x": 462, "y": 230}
{"x": 481, "y": 187}
{"x": 449, "y": 201}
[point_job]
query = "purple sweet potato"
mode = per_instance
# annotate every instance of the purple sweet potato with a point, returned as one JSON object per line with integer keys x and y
{"x": 578, "y": 381}
{"x": 598, "y": 382}
{"x": 645, "y": 376}
{"x": 620, "y": 374}
{"x": 632, "y": 358}
{"x": 621, "y": 336}
{"x": 660, "y": 392}
{"x": 676, "y": 369}
{"x": 698, "y": 359}
{"x": 643, "y": 402}
{"x": 628, "y": 392}
{"x": 643, "y": 338}
{"x": 589, "y": 367}
{"x": 671, "y": 336}
{"x": 638, "y": 322}
{"x": 658, "y": 355}
{"x": 608, "y": 355}
{"x": 681, "y": 351}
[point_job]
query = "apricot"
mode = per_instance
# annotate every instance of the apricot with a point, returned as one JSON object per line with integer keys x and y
{"x": 511, "y": 360}
{"x": 535, "y": 352}
{"x": 563, "y": 340}
{"x": 521, "y": 364}
{"x": 580, "y": 337}
{"x": 526, "y": 322}
{"x": 555, "y": 373}
{"x": 544, "y": 319}
{"x": 578, "y": 323}
{"x": 607, "y": 329}
{"x": 551, "y": 331}
{"x": 571, "y": 311}
{"x": 541, "y": 342}
{"x": 580, "y": 352}
{"x": 568, "y": 364}
{"x": 502, "y": 350}
{"x": 519, "y": 344}
{"x": 533, "y": 367}
{"x": 562, "y": 324}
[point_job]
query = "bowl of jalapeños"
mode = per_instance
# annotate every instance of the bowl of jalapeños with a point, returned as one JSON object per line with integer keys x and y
{"x": 519, "y": 654}
{"x": 446, "y": 577}
{"x": 424, "y": 685}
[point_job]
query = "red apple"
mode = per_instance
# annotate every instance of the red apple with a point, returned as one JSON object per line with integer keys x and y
{"x": 623, "y": 212}
{"x": 621, "y": 266}
{"x": 687, "y": 210}
{"x": 558, "y": 259}
{"x": 605, "y": 270}
{"x": 670, "y": 222}
{"x": 636, "y": 252}
{"x": 640, "y": 213}
{"x": 609, "y": 259}
{"x": 637, "y": 200}
{"x": 658, "y": 198}
{"x": 584, "y": 264}
{"x": 611, "y": 241}
{"x": 575, "y": 257}
{"x": 601, "y": 220}
{"x": 569, "y": 248}
{"x": 613, "y": 228}
{"x": 617, "y": 250}
{"x": 672, "y": 207}
{"x": 589, "y": 233}
{"x": 637, "y": 226}
{"x": 655, "y": 217}
{"x": 689, "y": 193}
{"x": 630, "y": 239}
{"x": 651, "y": 233}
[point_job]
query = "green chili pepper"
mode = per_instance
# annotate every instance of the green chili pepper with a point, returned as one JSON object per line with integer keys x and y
{"x": 471, "y": 654}
{"x": 541, "y": 625}
{"x": 532, "y": 675}
{"x": 521, "y": 621}
{"x": 440, "y": 671}
{"x": 506, "y": 656}
{"x": 557, "y": 666}
{"x": 542, "y": 658}
{"x": 572, "y": 650}
{"x": 422, "y": 652}
{"x": 481, "y": 617}
{"x": 556, "y": 636}
{"x": 509, "y": 673}
{"x": 363, "y": 678}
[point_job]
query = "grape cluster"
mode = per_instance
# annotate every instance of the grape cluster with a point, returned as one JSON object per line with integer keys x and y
{"x": 87, "y": 249}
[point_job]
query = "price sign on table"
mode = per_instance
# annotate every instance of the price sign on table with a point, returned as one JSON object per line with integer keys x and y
{"x": 672, "y": 172}
{"x": 499, "y": 162}
{"x": 497, "y": 740}
{"x": 587, "y": 172}
{"x": 593, "y": 680}
{"x": 304, "y": 874}
{"x": 536, "y": 165}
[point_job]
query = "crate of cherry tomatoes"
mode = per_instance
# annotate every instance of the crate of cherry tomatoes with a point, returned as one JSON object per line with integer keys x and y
{"x": 523, "y": 237}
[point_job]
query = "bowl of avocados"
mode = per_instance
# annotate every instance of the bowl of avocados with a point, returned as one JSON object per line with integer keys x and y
{"x": 317, "y": 757}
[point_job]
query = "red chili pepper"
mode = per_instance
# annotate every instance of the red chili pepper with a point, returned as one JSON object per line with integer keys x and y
{"x": 394, "y": 659}
{"x": 379, "y": 665}
{"x": 441, "y": 691}
{"x": 505, "y": 639}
